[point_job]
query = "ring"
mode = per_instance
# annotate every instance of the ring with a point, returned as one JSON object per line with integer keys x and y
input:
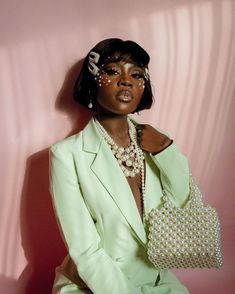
{"x": 139, "y": 132}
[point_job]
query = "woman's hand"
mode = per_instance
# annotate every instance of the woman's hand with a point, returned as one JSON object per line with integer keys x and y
{"x": 151, "y": 140}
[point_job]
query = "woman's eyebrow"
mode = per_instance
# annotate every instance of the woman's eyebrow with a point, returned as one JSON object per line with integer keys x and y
{"x": 136, "y": 67}
{"x": 110, "y": 64}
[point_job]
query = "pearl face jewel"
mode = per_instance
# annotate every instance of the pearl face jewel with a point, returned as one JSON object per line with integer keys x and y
{"x": 187, "y": 237}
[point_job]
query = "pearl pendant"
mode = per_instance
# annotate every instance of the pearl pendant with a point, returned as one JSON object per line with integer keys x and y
{"x": 128, "y": 162}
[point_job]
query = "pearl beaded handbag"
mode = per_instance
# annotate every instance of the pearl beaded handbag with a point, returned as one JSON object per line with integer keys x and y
{"x": 187, "y": 237}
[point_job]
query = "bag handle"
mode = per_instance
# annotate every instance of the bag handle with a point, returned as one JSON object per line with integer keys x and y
{"x": 194, "y": 198}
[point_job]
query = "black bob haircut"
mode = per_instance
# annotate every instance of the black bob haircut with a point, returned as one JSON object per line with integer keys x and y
{"x": 112, "y": 50}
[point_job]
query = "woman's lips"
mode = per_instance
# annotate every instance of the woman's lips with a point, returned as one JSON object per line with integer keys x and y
{"x": 124, "y": 96}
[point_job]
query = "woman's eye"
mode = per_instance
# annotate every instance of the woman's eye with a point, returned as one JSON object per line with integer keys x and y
{"x": 138, "y": 75}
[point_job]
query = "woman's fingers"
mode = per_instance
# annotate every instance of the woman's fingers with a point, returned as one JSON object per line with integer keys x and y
{"x": 151, "y": 140}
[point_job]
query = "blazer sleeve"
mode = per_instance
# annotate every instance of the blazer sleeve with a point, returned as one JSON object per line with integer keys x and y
{"x": 97, "y": 269}
{"x": 174, "y": 173}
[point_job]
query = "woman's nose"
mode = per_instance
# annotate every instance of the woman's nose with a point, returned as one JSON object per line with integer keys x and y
{"x": 124, "y": 81}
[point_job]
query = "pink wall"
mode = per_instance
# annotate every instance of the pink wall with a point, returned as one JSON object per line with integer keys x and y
{"x": 193, "y": 70}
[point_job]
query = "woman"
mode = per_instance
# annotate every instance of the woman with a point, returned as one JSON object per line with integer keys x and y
{"x": 106, "y": 179}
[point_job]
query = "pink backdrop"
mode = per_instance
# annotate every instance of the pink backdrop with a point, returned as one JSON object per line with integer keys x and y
{"x": 191, "y": 44}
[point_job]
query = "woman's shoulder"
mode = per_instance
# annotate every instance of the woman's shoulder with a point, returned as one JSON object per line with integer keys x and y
{"x": 70, "y": 140}
{"x": 68, "y": 143}
{"x": 73, "y": 142}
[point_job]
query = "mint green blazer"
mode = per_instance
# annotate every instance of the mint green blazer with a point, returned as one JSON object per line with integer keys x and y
{"x": 99, "y": 219}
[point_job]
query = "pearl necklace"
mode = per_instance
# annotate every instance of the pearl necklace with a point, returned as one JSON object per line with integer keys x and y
{"x": 131, "y": 158}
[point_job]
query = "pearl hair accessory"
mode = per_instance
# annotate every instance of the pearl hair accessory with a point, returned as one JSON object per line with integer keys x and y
{"x": 187, "y": 237}
{"x": 94, "y": 69}
{"x": 93, "y": 60}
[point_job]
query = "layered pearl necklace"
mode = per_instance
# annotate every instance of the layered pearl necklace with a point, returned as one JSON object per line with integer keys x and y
{"x": 131, "y": 158}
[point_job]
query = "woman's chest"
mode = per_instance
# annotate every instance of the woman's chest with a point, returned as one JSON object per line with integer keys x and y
{"x": 105, "y": 188}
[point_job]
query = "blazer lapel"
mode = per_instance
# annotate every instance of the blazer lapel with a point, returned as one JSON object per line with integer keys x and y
{"x": 107, "y": 170}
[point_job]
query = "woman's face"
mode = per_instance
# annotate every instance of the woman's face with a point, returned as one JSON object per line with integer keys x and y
{"x": 120, "y": 87}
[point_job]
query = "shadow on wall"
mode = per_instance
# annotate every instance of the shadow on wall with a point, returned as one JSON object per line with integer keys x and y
{"x": 43, "y": 246}
{"x": 8, "y": 285}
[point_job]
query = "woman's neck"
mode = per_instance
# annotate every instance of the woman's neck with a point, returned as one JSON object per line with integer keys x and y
{"x": 116, "y": 126}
